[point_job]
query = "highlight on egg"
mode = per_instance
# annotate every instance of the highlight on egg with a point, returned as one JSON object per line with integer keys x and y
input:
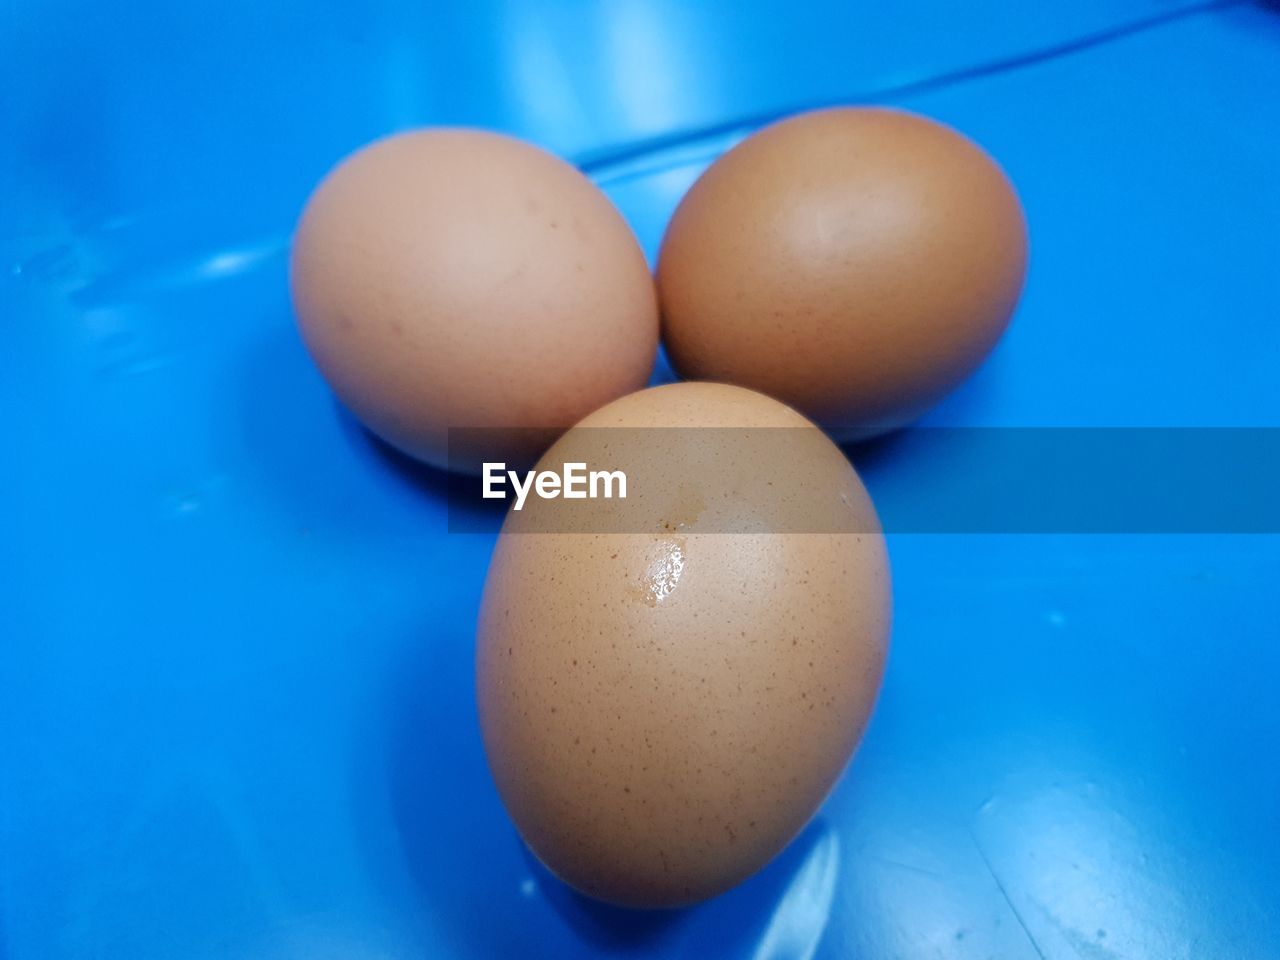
{"x": 670, "y": 684}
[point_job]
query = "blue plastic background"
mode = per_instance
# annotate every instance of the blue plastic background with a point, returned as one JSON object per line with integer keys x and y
{"x": 236, "y": 708}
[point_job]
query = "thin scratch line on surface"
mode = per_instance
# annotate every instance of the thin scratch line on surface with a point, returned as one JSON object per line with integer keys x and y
{"x": 910, "y": 867}
{"x": 626, "y": 161}
{"x": 1007, "y": 899}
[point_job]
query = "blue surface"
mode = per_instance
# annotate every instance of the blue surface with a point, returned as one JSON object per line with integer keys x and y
{"x": 236, "y": 708}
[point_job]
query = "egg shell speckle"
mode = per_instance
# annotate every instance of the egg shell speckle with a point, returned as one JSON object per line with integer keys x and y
{"x": 457, "y": 278}
{"x": 664, "y": 711}
{"x": 855, "y": 263}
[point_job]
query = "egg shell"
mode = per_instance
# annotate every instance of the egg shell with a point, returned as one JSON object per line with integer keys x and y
{"x": 855, "y": 263}
{"x": 456, "y": 278}
{"x": 663, "y": 711}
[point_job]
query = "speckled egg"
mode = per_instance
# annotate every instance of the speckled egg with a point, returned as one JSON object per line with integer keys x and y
{"x": 855, "y": 263}
{"x": 452, "y": 278}
{"x": 666, "y": 701}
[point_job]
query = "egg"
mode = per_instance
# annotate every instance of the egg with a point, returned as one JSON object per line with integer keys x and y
{"x": 452, "y": 278}
{"x": 670, "y": 685}
{"x": 855, "y": 263}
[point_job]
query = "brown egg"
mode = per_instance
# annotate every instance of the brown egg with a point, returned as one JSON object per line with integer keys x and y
{"x": 664, "y": 708}
{"x": 854, "y": 263}
{"x": 455, "y": 278}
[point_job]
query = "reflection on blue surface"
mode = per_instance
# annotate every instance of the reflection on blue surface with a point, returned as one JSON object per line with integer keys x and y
{"x": 799, "y": 920}
{"x": 236, "y": 707}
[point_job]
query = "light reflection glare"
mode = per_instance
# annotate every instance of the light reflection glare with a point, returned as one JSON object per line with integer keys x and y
{"x": 542, "y": 82}
{"x": 795, "y": 930}
{"x": 1079, "y": 873}
{"x": 649, "y": 89}
{"x": 227, "y": 263}
{"x": 663, "y": 573}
